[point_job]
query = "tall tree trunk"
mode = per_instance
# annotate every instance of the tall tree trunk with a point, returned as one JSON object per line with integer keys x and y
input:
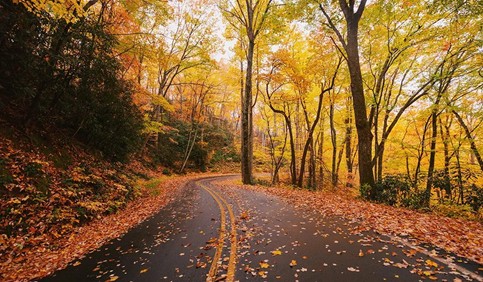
{"x": 432, "y": 153}
{"x": 312, "y": 165}
{"x": 247, "y": 122}
{"x": 293, "y": 159}
{"x": 364, "y": 134}
{"x": 321, "y": 153}
{"x": 348, "y": 142}
{"x": 352, "y": 16}
{"x": 417, "y": 170}
{"x": 333, "y": 138}
{"x": 445, "y": 136}
{"x": 432, "y": 157}
{"x": 459, "y": 177}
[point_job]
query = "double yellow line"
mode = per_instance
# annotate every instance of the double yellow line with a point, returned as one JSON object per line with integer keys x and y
{"x": 233, "y": 240}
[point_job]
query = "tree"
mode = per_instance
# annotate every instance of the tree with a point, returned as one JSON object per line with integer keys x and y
{"x": 350, "y": 44}
{"x": 248, "y": 17}
{"x": 274, "y": 82}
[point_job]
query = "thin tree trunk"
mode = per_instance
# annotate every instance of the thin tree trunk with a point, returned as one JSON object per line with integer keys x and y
{"x": 189, "y": 148}
{"x": 348, "y": 141}
{"x": 333, "y": 138}
{"x": 470, "y": 138}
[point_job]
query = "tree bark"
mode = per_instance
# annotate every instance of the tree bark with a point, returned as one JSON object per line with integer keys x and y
{"x": 364, "y": 134}
{"x": 351, "y": 47}
{"x": 470, "y": 139}
{"x": 247, "y": 128}
{"x": 348, "y": 141}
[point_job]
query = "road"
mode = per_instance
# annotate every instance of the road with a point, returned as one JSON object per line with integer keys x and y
{"x": 217, "y": 231}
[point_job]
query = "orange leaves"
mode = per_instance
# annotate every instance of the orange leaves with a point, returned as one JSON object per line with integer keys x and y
{"x": 244, "y": 215}
{"x": 293, "y": 263}
{"x": 28, "y": 257}
{"x": 459, "y": 236}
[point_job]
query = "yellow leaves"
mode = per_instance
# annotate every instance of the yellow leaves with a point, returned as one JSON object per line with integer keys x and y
{"x": 431, "y": 263}
{"x": 69, "y": 10}
{"x": 276, "y": 253}
{"x": 159, "y": 100}
{"x": 143, "y": 270}
{"x": 293, "y": 263}
{"x": 264, "y": 265}
{"x": 113, "y": 278}
{"x": 361, "y": 253}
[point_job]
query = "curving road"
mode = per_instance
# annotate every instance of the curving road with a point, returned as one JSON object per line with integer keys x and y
{"x": 219, "y": 232}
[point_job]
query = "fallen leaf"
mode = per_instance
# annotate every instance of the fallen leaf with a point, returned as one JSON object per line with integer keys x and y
{"x": 293, "y": 263}
{"x": 277, "y": 253}
{"x": 143, "y": 270}
{"x": 431, "y": 263}
{"x": 113, "y": 278}
{"x": 212, "y": 240}
{"x": 264, "y": 265}
{"x": 244, "y": 215}
{"x": 400, "y": 265}
{"x": 361, "y": 253}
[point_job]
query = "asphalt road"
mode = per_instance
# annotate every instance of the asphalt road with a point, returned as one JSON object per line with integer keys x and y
{"x": 216, "y": 232}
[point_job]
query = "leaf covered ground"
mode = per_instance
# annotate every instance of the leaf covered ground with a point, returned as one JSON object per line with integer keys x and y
{"x": 60, "y": 200}
{"x": 461, "y": 237}
{"x": 44, "y": 254}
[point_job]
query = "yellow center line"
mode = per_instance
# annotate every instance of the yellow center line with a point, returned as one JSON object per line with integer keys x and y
{"x": 219, "y": 248}
{"x": 233, "y": 240}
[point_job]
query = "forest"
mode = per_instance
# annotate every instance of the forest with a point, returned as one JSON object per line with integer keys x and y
{"x": 378, "y": 98}
{"x": 101, "y": 101}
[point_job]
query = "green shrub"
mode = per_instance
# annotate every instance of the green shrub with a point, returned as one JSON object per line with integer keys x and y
{"x": 71, "y": 78}
{"x": 390, "y": 190}
{"x": 454, "y": 210}
{"x": 5, "y": 176}
{"x": 365, "y": 191}
{"x": 475, "y": 198}
{"x": 33, "y": 169}
{"x": 415, "y": 200}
